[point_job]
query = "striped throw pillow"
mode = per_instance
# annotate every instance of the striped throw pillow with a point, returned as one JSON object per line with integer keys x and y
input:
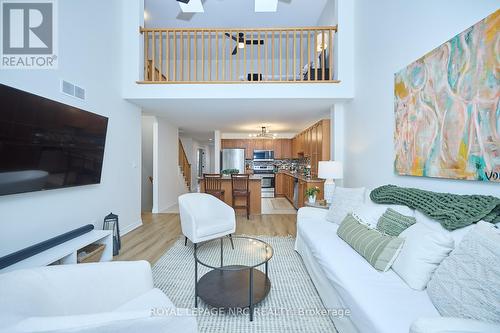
{"x": 393, "y": 223}
{"x": 378, "y": 249}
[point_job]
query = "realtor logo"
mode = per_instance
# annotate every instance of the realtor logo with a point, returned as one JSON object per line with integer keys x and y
{"x": 28, "y": 34}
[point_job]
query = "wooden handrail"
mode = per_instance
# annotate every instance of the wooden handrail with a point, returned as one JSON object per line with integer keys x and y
{"x": 184, "y": 164}
{"x": 242, "y": 55}
{"x": 141, "y": 30}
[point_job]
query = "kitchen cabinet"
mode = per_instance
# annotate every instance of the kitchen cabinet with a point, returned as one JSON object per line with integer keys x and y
{"x": 285, "y": 185}
{"x": 313, "y": 143}
{"x": 278, "y": 153}
{"x": 249, "y": 146}
{"x": 286, "y": 148}
{"x": 282, "y": 147}
{"x": 278, "y": 185}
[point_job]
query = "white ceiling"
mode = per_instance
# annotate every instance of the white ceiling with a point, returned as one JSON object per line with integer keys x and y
{"x": 198, "y": 118}
{"x": 233, "y": 14}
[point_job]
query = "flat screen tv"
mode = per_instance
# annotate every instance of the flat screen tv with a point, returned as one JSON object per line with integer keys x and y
{"x": 47, "y": 145}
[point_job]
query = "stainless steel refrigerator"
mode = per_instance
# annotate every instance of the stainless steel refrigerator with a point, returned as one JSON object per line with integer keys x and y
{"x": 233, "y": 159}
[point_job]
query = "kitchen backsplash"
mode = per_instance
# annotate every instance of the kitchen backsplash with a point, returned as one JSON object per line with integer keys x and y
{"x": 287, "y": 164}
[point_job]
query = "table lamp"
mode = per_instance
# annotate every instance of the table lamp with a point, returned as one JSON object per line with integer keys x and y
{"x": 330, "y": 170}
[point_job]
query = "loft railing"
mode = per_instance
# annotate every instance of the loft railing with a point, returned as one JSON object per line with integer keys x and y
{"x": 239, "y": 55}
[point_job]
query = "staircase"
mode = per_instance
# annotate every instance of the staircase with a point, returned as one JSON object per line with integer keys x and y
{"x": 184, "y": 165}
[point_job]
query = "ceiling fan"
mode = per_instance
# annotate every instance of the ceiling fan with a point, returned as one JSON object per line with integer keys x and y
{"x": 242, "y": 41}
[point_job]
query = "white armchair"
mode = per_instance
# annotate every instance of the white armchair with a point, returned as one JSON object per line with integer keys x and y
{"x": 90, "y": 298}
{"x": 204, "y": 217}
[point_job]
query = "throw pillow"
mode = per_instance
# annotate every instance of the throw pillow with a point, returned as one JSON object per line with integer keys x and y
{"x": 344, "y": 201}
{"x": 393, "y": 223}
{"x": 423, "y": 251}
{"x": 467, "y": 283}
{"x": 456, "y": 234}
{"x": 379, "y": 250}
{"x": 368, "y": 214}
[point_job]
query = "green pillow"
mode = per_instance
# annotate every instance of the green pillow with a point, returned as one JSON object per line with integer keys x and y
{"x": 378, "y": 249}
{"x": 393, "y": 223}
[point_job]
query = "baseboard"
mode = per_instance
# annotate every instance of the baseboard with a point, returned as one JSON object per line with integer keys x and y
{"x": 130, "y": 228}
{"x": 165, "y": 210}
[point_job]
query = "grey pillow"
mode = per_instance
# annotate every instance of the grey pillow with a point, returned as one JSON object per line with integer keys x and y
{"x": 393, "y": 223}
{"x": 467, "y": 283}
{"x": 344, "y": 201}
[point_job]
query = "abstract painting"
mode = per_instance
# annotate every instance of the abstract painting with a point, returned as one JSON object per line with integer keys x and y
{"x": 447, "y": 108}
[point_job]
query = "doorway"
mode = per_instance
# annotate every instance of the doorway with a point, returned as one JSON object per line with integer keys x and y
{"x": 147, "y": 164}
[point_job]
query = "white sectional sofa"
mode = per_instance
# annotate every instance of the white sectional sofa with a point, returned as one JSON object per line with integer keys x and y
{"x": 90, "y": 298}
{"x": 378, "y": 302}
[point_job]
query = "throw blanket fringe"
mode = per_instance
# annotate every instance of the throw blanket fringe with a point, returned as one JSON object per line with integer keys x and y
{"x": 453, "y": 211}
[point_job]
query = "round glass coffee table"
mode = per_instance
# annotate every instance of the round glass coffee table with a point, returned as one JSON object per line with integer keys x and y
{"x": 234, "y": 282}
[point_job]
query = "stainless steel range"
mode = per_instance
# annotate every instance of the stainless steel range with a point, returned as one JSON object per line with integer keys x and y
{"x": 266, "y": 173}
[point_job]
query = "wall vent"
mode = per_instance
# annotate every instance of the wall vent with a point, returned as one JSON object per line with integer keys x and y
{"x": 71, "y": 89}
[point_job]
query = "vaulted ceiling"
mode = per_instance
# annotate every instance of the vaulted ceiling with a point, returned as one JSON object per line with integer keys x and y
{"x": 233, "y": 14}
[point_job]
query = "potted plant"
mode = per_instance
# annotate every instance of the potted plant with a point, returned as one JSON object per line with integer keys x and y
{"x": 230, "y": 171}
{"x": 311, "y": 194}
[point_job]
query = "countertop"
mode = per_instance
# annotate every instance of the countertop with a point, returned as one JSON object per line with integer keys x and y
{"x": 301, "y": 177}
{"x": 252, "y": 177}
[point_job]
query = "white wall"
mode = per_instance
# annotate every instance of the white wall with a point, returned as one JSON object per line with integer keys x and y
{"x": 390, "y": 35}
{"x": 89, "y": 54}
{"x": 147, "y": 163}
{"x": 168, "y": 182}
{"x": 216, "y": 151}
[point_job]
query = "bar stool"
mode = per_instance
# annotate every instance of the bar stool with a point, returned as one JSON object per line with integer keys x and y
{"x": 240, "y": 189}
{"x": 213, "y": 185}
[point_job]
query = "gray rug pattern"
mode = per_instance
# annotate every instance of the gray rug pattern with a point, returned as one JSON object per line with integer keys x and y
{"x": 292, "y": 292}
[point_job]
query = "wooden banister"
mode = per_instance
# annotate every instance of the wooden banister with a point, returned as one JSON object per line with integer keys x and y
{"x": 184, "y": 164}
{"x": 201, "y": 56}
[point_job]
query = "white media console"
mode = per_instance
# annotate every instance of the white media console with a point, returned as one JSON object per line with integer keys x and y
{"x": 66, "y": 253}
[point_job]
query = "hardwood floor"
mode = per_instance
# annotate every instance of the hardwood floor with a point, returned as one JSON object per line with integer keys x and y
{"x": 160, "y": 231}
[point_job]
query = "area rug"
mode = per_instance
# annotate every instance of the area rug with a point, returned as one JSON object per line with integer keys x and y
{"x": 293, "y": 304}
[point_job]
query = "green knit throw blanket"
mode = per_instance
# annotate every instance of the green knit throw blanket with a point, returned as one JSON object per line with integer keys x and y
{"x": 453, "y": 211}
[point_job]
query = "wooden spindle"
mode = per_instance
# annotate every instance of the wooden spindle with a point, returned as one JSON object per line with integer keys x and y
{"x": 189, "y": 55}
{"x": 230, "y": 55}
{"x": 223, "y": 56}
{"x": 195, "y": 65}
{"x": 281, "y": 56}
{"x": 316, "y": 56}
{"x": 203, "y": 56}
{"x": 287, "y": 56}
{"x": 266, "y": 56}
{"x": 323, "y": 53}
{"x": 167, "y": 56}
{"x": 301, "y": 56}
{"x": 244, "y": 58}
{"x": 161, "y": 55}
{"x": 181, "y": 73}
{"x": 259, "y": 73}
{"x": 294, "y": 70}
{"x": 146, "y": 55}
{"x": 309, "y": 54}
{"x": 251, "y": 57}
{"x": 272, "y": 57}
{"x": 330, "y": 57}
{"x": 174, "y": 72}
{"x": 216, "y": 56}
{"x": 210, "y": 56}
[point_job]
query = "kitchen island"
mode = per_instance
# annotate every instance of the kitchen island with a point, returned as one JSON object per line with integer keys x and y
{"x": 254, "y": 185}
